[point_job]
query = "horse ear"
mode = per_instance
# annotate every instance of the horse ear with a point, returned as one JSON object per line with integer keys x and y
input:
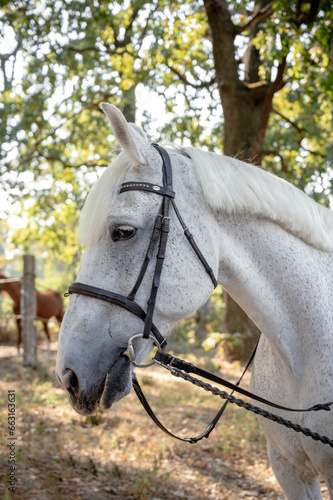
{"x": 130, "y": 137}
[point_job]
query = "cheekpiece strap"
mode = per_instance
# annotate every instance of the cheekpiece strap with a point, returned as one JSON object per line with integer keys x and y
{"x": 146, "y": 186}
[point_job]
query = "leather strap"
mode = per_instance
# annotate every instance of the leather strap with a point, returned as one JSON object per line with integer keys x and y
{"x": 179, "y": 364}
{"x": 195, "y": 247}
{"x": 146, "y": 186}
{"x": 147, "y": 407}
{"x": 167, "y": 184}
{"x": 151, "y": 247}
{"x": 166, "y": 167}
{"x": 116, "y": 299}
{"x": 209, "y": 428}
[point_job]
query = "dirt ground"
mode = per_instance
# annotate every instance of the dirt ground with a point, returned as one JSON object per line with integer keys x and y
{"x": 120, "y": 454}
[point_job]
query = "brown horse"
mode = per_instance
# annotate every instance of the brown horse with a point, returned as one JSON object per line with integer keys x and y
{"x": 48, "y": 303}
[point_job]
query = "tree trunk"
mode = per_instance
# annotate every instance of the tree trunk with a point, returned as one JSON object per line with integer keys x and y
{"x": 242, "y": 118}
{"x": 201, "y": 320}
{"x": 246, "y": 106}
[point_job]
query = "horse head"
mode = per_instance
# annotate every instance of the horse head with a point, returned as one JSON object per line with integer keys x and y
{"x": 116, "y": 227}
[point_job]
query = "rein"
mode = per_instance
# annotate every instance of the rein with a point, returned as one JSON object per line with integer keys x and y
{"x": 175, "y": 365}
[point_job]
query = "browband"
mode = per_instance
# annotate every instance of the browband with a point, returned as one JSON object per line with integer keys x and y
{"x": 146, "y": 186}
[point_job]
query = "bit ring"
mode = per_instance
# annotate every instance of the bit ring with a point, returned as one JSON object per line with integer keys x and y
{"x": 130, "y": 353}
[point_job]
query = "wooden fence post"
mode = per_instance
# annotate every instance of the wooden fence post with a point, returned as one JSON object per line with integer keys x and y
{"x": 28, "y": 312}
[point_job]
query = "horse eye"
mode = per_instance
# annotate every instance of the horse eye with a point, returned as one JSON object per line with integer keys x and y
{"x": 122, "y": 233}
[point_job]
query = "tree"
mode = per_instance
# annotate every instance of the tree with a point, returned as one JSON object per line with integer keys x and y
{"x": 271, "y": 63}
{"x": 251, "y": 79}
{"x": 66, "y": 58}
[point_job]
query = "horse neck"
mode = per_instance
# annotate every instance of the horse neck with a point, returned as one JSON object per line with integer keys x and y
{"x": 284, "y": 285}
{"x": 13, "y": 290}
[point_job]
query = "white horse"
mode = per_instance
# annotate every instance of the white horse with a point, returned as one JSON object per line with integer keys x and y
{"x": 269, "y": 245}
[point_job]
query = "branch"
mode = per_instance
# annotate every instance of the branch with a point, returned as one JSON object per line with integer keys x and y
{"x": 284, "y": 167}
{"x": 267, "y": 152}
{"x": 241, "y": 12}
{"x": 89, "y": 164}
{"x": 108, "y": 50}
{"x": 136, "y": 10}
{"x": 274, "y": 87}
{"x": 28, "y": 157}
{"x": 314, "y": 153}
{"x": 128, "y": 30}
{"x": 258, "y": 89}
{"x": 144, "y": 30}
{"x": 260, "y": 16}
{"x": 303, "y": 133}
{"x": 202, "y": 85}
{"x": 86, "y": 49}
{"x": 4, "y": 58}
{"x": 4, "y": 76}
{"x": 307, "y": 17}
{"x": 300, "y": 130}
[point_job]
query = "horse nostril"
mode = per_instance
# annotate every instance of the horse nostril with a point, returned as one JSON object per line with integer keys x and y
{"x": 70, "y": 381}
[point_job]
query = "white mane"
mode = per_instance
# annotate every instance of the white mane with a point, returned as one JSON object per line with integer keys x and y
{"x": 228, "y": 185}
{"x": 237, "y": 187}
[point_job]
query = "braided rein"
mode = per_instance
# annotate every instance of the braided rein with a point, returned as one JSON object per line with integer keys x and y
{"x": 247, "y": 406}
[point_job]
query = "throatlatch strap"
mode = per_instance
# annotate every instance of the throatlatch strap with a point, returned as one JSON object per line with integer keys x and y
{"x": 195, "y": 247}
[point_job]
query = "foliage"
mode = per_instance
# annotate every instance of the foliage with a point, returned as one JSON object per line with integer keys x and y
{"x": 65, "y": 58}
{"x": 75, "y": 55}
{"x": 289, "y": 41}
{"x": 300, "y": 131}
{"x": 182, "y": 71}
{"x": 235, "y": 346}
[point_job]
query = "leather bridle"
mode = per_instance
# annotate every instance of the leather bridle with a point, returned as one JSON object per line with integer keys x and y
{"x": 159, "y": 236}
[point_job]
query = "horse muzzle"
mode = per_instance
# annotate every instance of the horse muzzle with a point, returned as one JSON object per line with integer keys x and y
{"x": 86, "y": 398}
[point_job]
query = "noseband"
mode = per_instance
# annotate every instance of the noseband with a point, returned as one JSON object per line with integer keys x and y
{"x": 159, "y": 236}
